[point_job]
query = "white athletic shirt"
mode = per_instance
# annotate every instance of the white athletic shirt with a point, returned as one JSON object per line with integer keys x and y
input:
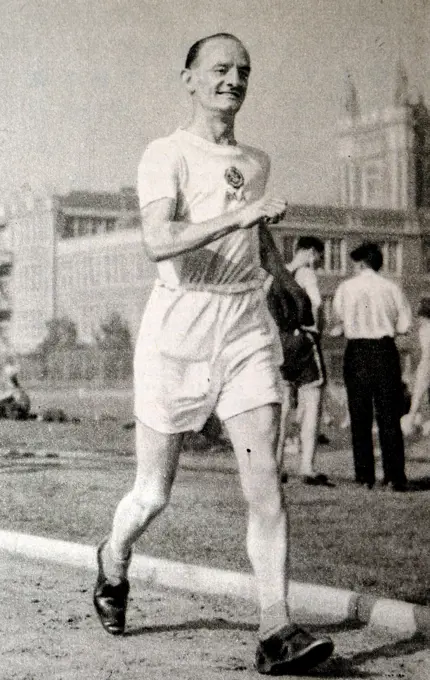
{"x": 206, "y": 180}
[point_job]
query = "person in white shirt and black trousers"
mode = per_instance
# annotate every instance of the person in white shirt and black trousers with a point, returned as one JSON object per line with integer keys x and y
{"x": 372, "y": 310}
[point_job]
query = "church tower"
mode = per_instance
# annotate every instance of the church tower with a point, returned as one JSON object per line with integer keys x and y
{"x": 384, "y": 157}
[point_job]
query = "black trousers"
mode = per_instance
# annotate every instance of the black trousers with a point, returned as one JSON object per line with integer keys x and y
{"x": 372, "y": 377}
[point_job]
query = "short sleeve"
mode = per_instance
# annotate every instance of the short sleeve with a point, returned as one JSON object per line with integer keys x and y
{"x": 338, "y": 302}
{"x": 404, "y": 318}
{"x": 158, "y": 172}
{"x": 264, "y": 162}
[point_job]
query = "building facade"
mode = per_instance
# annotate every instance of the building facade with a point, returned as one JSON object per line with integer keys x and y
{"x": 81, "y": 255}
{"x": 78, "y": 256}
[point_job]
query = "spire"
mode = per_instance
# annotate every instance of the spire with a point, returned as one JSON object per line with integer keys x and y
{"x": 352, "y": 106}
{"x": 401, "y": 86}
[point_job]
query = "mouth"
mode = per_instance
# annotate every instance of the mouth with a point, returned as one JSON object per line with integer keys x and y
{"x": 232, "y": 94}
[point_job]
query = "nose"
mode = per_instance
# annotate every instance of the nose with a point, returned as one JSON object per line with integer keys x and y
{"x": 233, "y": 77}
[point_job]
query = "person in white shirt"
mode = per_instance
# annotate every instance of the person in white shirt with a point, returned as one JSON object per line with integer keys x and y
{"x": 373, "y": 310}
{"x": 308, "y": 377}
{"x": 422, "y": 375}
{"x": 205, "y": 343}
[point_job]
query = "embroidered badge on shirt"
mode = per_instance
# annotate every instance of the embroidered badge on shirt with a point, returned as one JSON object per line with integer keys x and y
{"x": 236, "y": 181}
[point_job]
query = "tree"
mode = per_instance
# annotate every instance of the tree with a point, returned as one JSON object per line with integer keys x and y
{"x": 114, "y": 334}
{"x": 115, "y": 340}
{"x": 62, "y": 334}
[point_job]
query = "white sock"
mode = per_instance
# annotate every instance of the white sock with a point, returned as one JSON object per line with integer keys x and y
{"x": 273, "y": 619}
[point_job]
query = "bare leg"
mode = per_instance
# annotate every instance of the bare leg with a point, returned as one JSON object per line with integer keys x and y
{"x": 157, "y": 461}
{"x": 286, "y": 408}
{"x": 254, "y": 436}
{"x": 310, "y": 399}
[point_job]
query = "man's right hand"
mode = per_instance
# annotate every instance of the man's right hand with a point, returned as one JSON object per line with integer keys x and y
{"x": 268, "y": 210}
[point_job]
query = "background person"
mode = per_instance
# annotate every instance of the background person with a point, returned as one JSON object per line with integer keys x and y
{"x": 205, "y": 343}
{"x": 372, "y": 310}
{"x": 306, "y": 378}
{"x": 422, "y": 375}
{"x": 14, "y": 400}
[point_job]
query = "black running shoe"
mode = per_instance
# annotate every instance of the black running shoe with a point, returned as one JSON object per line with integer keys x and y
{"x": 110, "y": 600}
{"x": 291, "y": 651}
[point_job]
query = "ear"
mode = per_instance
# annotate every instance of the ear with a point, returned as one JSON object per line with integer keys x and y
{"x": 187, "y": 79}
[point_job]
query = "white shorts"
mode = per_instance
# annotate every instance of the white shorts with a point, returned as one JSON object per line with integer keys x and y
{"x": 204, "y": 352}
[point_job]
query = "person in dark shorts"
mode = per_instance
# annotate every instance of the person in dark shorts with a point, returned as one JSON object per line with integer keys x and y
{"x": 304, "y": 369}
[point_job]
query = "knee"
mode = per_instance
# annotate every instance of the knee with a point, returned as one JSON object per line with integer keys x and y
{"x": 151, "y": 497}
{"x": 267, "y": 508}
{"x": 263, "y": 492}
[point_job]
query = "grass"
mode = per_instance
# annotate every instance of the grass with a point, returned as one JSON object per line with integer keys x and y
{"x": 375, "y": 542}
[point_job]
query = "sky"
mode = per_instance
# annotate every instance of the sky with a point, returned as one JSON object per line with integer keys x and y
{"x": 86, "y": 84}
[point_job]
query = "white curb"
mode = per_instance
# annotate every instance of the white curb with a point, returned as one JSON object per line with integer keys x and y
{"x": 398, "y": 616}
{"x": 335, "y": 604}
{"x": 338, "y": 605}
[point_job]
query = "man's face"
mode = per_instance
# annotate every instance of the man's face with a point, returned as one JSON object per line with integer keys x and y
{"x": 219, "y": 79}
{"x": 315, "y": 258}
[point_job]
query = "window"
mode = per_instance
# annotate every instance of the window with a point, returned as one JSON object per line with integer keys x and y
{"x": 392, "y": 252}
{"x": 327, "y": 305}
{"x": 94, "y": 226}
{"x": 135, "y": 222}
{"x": 68, "y": 227}
{"x": 335, "y": 255}
{"x": 83, "y": 226}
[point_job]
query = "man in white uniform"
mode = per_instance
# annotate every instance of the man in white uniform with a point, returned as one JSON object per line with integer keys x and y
{"x": 205, "y": 342}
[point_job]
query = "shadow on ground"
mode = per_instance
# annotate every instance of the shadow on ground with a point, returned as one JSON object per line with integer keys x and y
{"x": 340, "y": 667}
{"x": 336, "y": 668}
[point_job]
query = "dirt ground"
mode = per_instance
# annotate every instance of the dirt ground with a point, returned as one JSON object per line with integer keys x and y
{"x": 50, "y": 632}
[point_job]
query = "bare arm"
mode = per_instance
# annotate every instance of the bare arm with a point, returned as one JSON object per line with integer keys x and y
{"x": 337, "y": 329}
{"x": 288, "y": 292}
{"x": 271, "y": 258}
{"x": 165, "y": 238}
